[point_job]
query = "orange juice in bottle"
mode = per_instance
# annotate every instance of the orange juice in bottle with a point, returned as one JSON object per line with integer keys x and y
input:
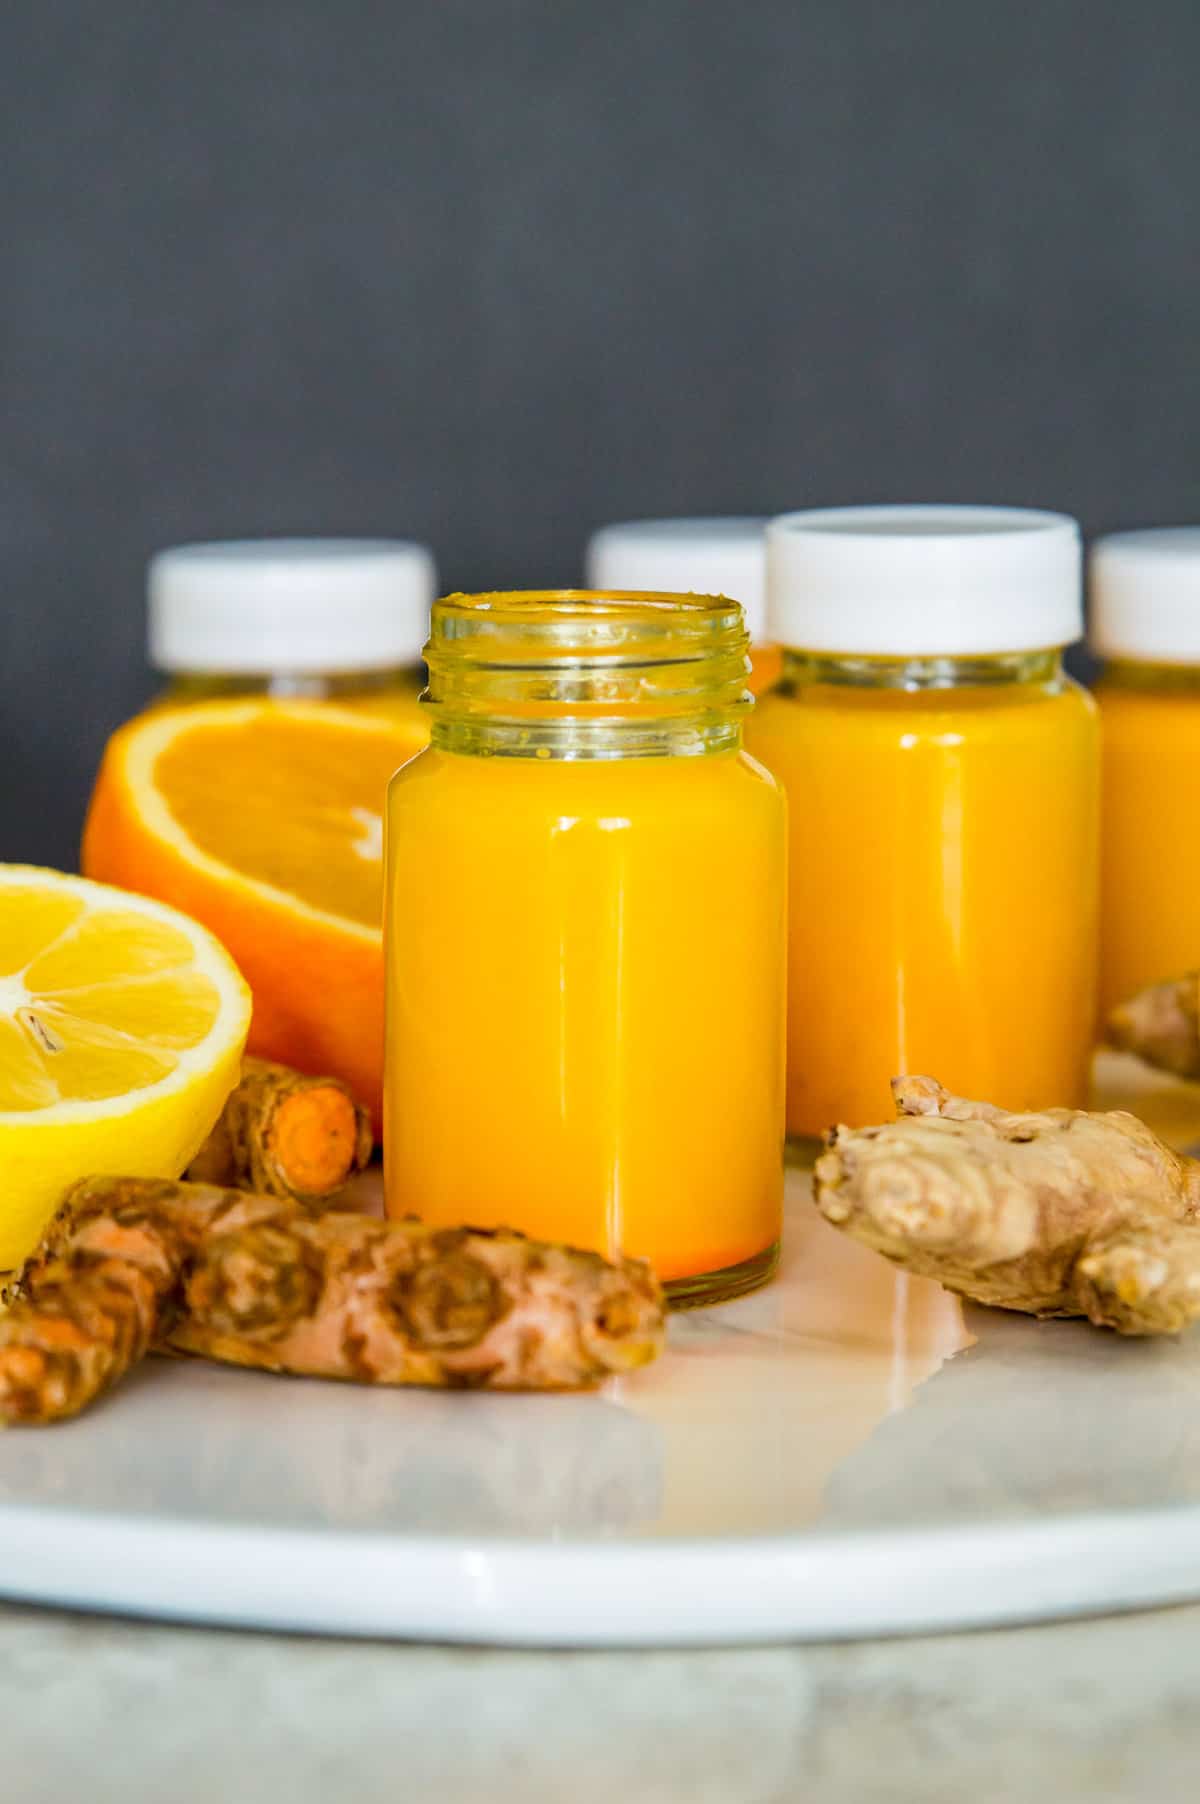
{"x": 1145, "y": 592}
{"x": 942, "y": 779}
{"x": 585, "y": 925}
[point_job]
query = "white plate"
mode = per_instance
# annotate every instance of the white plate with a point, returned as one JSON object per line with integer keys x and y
{"x": 843, "y": 1454}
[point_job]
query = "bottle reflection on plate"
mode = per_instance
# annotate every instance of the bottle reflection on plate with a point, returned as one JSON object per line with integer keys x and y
{"x": 764, "y": 1398}
{"x": 304, "y": 1454}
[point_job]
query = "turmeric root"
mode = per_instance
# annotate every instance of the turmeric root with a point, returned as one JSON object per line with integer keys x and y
{"x": 129, "y": 1265}
{"x": 98, "y": 1291}
{"x": 284, "y": 1134}
{"x": 346, "y": 1296}
{"x": 1061, "y": 1213}
{"x": 1161, "y": 1025}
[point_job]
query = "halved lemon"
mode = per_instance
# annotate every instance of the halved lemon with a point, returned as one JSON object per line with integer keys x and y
{"x": 264, "y": 820}
{"x": 122, "y": 1025}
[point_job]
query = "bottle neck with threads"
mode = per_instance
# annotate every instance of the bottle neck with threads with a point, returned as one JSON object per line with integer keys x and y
{"x": 1147, "y": 678}
{"x": 1042, "y": 670}
{"x": 579, "y": 674}
{"x": 347, "y": 687}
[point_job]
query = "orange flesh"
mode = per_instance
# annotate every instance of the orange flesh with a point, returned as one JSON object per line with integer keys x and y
{"x": 328, "y": 787}
{"x": 943, "y": 893}
{"x": 398, "y": 706}
{"x": 273, "y": 838}
{"x": 585, "y": 1002}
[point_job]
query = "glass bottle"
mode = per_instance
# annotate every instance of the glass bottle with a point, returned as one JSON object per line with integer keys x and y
{"x": 722, "y": 554}
{"x": 1145, "y": 625}
{"x": 339, "y": 620}
{"x": 585, "y": 937}
{"x": 942, "y": 775}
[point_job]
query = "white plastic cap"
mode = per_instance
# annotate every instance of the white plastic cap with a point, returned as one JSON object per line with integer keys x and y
{"x": 1146, "y": 595}
{"x": 725, "y": 555}
{"x": 924, "y": 581}
{"x": 304, "y": 605}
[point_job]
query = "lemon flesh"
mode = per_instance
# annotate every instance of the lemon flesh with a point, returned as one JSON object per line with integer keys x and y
{"x": 122, "y": 1025}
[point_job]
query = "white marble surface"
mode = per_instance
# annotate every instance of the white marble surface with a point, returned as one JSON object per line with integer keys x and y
{"x": 115, "y": 1712}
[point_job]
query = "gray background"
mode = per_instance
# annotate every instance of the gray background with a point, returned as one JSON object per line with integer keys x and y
{"x": 491, "y": 272}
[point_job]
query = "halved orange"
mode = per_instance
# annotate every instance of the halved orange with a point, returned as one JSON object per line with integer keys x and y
{"x": 264, "y": 820}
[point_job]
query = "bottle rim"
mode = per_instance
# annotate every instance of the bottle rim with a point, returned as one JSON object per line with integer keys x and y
{"x": 584, "y": 626}
{"x": 605, "y": 660}
{"x": 713, "y": 554}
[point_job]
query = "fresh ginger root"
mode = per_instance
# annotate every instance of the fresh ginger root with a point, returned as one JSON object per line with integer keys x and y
{"x": 131, "y": 1264}
{"x": 284, "y": 1134}
{"x": 1161, "y": 1025}
{"x": 1061, "y": 1213}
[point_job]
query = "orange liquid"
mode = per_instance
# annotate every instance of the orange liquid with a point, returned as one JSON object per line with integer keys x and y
{"x": 585, "y": 1001}
{"x": 943, "y": 892}
{"x": 766, "y": 668}
{"x": 1150, "y": 916}
{"x": 399, "y": 703}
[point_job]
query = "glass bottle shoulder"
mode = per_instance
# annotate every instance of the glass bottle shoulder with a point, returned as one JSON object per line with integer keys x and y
{"x": 465, "y": 785}
{"x": 981, "y": 713}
